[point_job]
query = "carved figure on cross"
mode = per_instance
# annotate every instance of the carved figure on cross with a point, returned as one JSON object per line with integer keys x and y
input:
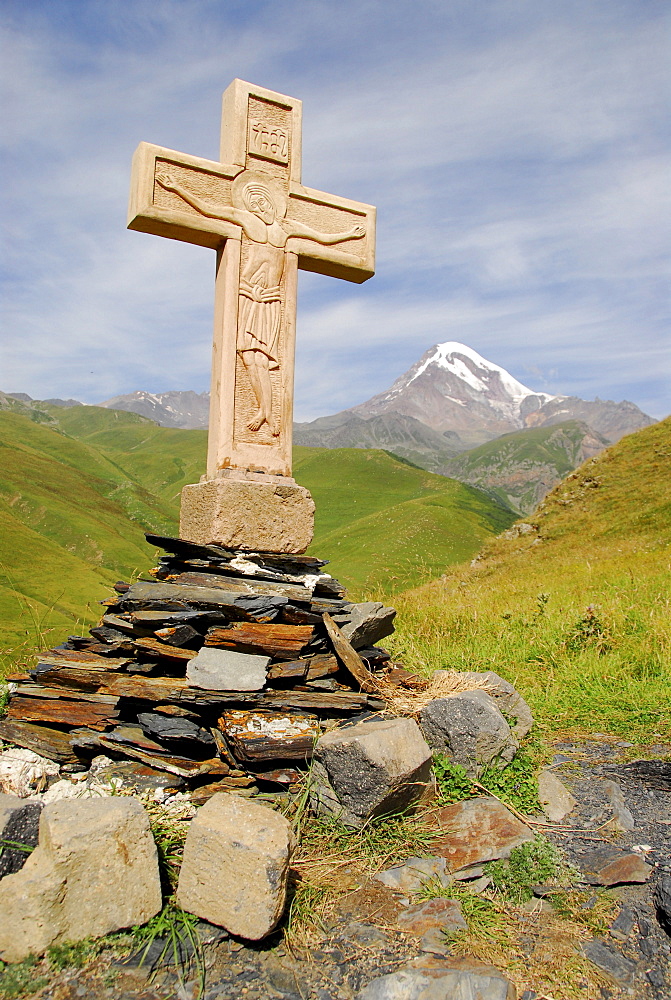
{"x": 264, "y": 223}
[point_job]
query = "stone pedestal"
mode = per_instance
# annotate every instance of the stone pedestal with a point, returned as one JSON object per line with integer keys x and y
{"x": 267, "y": 514}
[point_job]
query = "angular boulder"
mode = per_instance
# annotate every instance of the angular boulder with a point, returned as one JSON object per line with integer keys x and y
{"x": 369, "y": 769}
{"x": 478, "y": 830}
{"x": 470, "y": 729}
{"x": 368, "y": 623}
{"x": 236, "y": 866}
{"x": 509, "y": 702}
{"x": 95, "y": 870}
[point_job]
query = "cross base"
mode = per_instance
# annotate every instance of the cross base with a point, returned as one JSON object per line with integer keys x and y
{"x": 276, "y": 516}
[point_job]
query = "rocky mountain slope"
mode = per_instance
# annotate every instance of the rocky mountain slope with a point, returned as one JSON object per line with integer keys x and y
{"x": 189, "y": 410}
{"x": 520, "y": 468}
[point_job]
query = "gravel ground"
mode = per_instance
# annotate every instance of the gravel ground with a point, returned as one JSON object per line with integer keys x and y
{"x": 361, "y": 943}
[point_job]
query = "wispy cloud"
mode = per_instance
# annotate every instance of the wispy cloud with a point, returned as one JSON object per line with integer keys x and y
{"x": 516, "y": 152}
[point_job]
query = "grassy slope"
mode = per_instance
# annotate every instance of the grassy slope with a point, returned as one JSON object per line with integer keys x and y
{"x": 577, "y": 612}
{"x": 387, "y": 525}
{"x": 71, "y": 523}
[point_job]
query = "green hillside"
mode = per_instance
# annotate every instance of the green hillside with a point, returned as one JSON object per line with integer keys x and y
{"x": 520, "y": 468}
{"x": 574, "y": 605}
{"x": 387, "y": 525}
{"x": 80, "y": 486}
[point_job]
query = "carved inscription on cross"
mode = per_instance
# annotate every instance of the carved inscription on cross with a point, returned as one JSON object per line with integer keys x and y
{"x": 253, "y": 210}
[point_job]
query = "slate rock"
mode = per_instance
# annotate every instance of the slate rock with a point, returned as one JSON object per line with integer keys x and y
{"x": 164, "y": 727}
{"x": 623, "y": 820}
{"x": 370, "y": 769}
{"x": 444, "y": 982}
{"x": 95, "y": 870}
{"x": 236, "y": 866}
{"x": 610, "y": 866}
{"x": 478, "y": 830}
{"x": 470, "y": 729}
{"x": 508, "y": 700}
{"x": 368, "y": 623}
{"x": 19, "y": 824}
{"x": 617, "y": 968}
{"x": 413, "y": 873}
{"x": 662, "y": 901}
{"x": 623, "y": 924}
{"x": 433, "y": 914}
{"x": 554, "y": 796}
{"x": 226, "y": 670}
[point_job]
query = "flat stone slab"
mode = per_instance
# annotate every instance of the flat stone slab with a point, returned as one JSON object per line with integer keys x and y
{"x": 226, "y": 670}
{"x": 617, "y": 968}
{"x": 554, "y": 796}
{"x": 432, "y": 981}
{"x": 433, "y": 914}
{"x": 478, "y": 830}
{"x": 410, "y": 876}
{"x": 609, "y": 866}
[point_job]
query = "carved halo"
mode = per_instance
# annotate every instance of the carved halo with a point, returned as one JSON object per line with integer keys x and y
{"x": 256, "y": 179}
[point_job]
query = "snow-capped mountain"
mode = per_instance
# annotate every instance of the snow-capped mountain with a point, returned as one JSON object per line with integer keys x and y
{"x": 169, "y": 409}
{"x": 453, "y": 388}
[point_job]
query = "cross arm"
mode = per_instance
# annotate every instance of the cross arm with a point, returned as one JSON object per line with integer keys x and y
{"x": 159, "y": 209}
{"x": 322, "y": 231}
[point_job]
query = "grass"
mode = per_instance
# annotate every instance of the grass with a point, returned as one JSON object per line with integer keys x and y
{"x": 332, "y": 859}
{"x": 576, "y": 612}
{"x": 515, "y": 784}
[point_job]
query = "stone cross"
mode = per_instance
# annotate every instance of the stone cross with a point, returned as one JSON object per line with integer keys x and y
{"x": 264, "y": 224}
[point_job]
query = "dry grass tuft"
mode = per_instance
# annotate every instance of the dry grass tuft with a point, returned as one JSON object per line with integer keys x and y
{"x": 443, "y": 684}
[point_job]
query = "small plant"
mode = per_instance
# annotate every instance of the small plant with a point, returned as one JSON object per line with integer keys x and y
{"x": 534, "y": 863}
{"x": 169, "y": 834}
{"x": 515, "y": 784}
{"x": 20, "y": 978}
{"x": 589, "y": 632}
{"x": 74, "y": 954}
{"x": 175, "y": 932}
{"x": 454, "y": 785}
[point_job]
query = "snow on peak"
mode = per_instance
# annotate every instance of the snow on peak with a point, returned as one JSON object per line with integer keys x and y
{"x": 453, "y": 357}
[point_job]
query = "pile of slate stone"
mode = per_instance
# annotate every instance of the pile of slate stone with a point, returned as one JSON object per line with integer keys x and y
{"x": 221, "y": 672}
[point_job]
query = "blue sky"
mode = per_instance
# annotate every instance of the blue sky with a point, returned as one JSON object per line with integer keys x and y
{"x": 516, "y": 150}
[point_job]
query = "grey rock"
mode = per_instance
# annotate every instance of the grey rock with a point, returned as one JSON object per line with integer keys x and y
{"x": 95, "y": 870}
{"x": 554, "y": 796}
{"x": 622, "y": 820}
{"x": 236, "y": 866}
{"x": 470, "y": 729}
{"x": 368, "y": 623}
{"x": 617, "y": 968}
{"x": 662, "y": 901}
{"x": 226, "y": 670}
{"x": 411, "y": 875}
{"x": 440, "y": 984}
{"x": 167, "y": 727}
{"x": 508, "y": 700}
{"x": 370, "y": 769}
{"x": 19, "y": 824}
{"x": 623, "y": 924}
